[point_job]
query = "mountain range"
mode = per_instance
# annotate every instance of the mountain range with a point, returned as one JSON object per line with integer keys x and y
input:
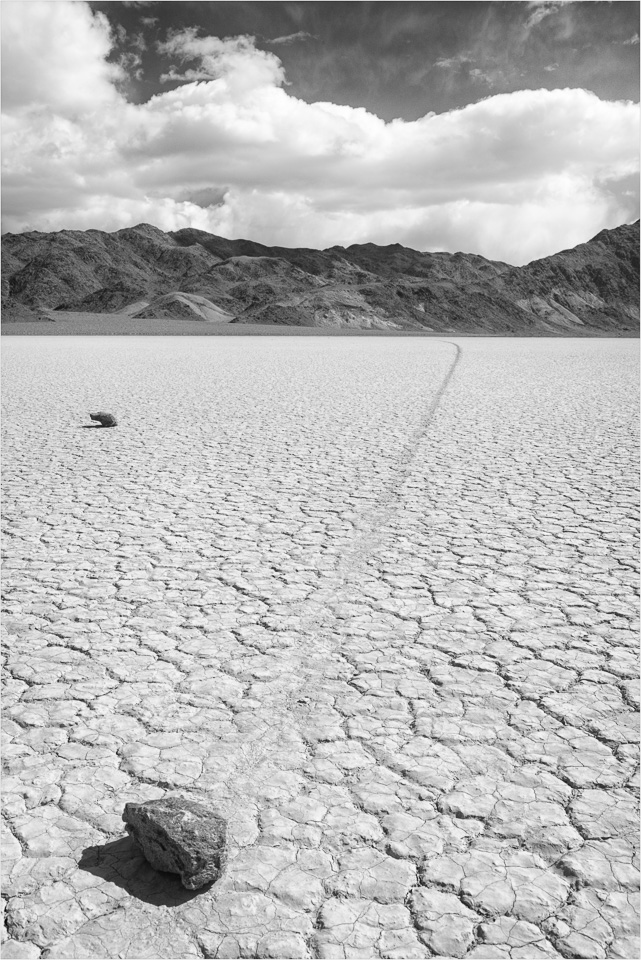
{"x": 143, "y": 272}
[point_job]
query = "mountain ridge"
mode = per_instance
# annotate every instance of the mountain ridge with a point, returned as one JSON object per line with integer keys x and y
{"x": 144, "y": 272}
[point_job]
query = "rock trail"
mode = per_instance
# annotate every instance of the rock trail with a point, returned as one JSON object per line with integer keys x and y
{"x": 373, "y": 600}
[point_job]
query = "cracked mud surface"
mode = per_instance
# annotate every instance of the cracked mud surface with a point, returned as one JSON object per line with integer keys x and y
{"x": 372, "y": 600}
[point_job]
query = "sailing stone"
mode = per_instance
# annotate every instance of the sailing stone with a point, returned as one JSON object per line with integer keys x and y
{"x": 179, "y": 836}
{"x": 106, "y": 419}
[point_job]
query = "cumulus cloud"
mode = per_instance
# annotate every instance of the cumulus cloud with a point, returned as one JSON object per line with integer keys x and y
{"x": 235, "y": 60}
{"x": 231, "y": 151}
{"x": 54, "y": 56}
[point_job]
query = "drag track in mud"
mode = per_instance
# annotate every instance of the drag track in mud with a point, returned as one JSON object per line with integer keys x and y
{"x": 373, "y": 599}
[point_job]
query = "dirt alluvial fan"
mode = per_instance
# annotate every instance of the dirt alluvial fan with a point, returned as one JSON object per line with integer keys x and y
{"x": 143, "y": 273}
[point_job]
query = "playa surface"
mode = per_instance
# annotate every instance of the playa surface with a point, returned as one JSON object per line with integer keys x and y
{"x": 67, "y": 323}
{"x": 371, "y": 599}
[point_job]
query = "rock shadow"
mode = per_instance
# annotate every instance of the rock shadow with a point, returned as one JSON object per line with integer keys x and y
{"x": 121, "y": 862}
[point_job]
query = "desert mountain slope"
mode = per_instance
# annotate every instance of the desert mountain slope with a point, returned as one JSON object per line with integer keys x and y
{"x": 595, "y": 283}
{"x": 143, "y": 272}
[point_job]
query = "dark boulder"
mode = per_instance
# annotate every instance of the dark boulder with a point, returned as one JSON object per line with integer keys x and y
{"x": 106, "y": 419}
{"x": 179, "y": 836}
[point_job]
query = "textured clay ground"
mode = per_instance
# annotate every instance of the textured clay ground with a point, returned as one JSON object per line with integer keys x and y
{"x": 372, "y": 599}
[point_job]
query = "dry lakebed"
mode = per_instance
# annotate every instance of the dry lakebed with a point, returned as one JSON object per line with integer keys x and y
{"x": 372, "y": 600}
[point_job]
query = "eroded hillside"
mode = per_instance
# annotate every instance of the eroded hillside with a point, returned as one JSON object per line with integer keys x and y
{"x": 189, "y": 274}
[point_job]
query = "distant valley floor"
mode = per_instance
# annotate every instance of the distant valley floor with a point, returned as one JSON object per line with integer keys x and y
{"x": 109, "y": 324}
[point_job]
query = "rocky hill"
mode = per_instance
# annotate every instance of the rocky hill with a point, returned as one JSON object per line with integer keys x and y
{"x": 190, "y": 274}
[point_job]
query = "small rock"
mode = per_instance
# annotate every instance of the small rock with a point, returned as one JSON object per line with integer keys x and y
{"x": 106, "y": 419}
{"x": 179, "y": 836}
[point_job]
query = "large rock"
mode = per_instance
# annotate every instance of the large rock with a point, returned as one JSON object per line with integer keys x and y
{"x": 106, "y": 419}
{"x": 179, "y": 836}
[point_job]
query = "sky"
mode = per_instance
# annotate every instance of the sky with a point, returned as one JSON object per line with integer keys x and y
{"x": 508, "y": 129}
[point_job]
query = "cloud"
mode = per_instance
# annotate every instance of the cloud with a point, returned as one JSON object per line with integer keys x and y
{"x": 632, "y": 41}
{"x": 291, "y": 38}
{"x": 467, "y": 66}
{"x": 235, "y": 60}
{"x": 131, "y": 64}
{"x": 480, "y": 76}
{"x": 54, "y": 56}
{"x": 542, "y": 9}
{"x": 229, "y": 150}
{"x": 138, "y": 41}
{"x": 447, "y": 63}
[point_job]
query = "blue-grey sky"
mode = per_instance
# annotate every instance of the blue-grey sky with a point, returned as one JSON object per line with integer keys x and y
{"x": 405, "y": 59}
{"x": 503, "y": 128}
